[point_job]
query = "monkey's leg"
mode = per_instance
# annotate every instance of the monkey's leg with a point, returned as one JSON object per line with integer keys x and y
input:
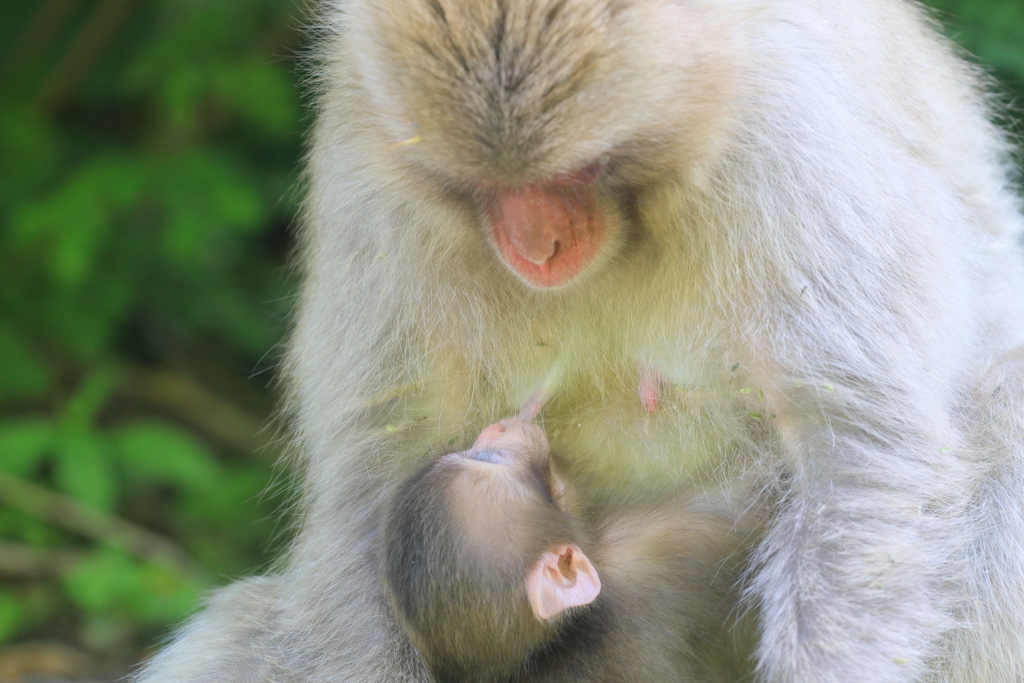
{"x": 853, "y": 575}
{"x": 324, "y": 618}
{"x": 989, "y": 646}
{"x": 229, "y": 642}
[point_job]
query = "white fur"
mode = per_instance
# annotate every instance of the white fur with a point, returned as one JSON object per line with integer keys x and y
{"x": 821, "y": 198}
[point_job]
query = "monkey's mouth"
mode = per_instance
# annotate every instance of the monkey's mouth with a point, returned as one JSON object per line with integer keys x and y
{"x": 547, "y": 235}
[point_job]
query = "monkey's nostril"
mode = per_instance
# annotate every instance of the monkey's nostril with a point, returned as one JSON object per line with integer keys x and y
{"x": 541, "y": 252}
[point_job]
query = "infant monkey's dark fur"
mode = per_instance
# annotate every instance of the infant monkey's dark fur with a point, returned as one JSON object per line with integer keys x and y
{"x": 489, "y": 571}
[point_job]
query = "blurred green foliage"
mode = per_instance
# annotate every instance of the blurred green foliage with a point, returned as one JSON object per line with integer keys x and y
{"x": 148, "y": 154}
{"x": 993, "y": 30}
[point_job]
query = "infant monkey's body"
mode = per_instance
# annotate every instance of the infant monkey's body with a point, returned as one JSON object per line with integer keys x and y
{"x": 497, "y": 575}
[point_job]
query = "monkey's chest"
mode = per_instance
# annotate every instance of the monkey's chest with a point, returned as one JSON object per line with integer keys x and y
{"x": 615, "y": 420}
{"x": 614, "y": 437}
{"x": 630, "y": 412}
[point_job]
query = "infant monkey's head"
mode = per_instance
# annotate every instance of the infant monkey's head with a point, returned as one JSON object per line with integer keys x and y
{"x": 480, "y": 559}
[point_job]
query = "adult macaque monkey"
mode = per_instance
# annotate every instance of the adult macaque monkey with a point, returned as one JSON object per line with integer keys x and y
{"x": 788, "y": 222}
{"x": 489, "y": 570}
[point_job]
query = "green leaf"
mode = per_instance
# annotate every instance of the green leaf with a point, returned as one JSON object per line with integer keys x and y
{"x": 182, "y": 94}
{"x": 155, "y": 451}
{"x": 12, "y": 615}
{"x": 20, "y": 526}
{"x": 110, "y": 582}
{"x": 24, "y": 374}
{"x": 29, "y": 152}
{"x": 992, "y": 29}
{"x": 73, "y": 222}
{"x": 262, "y": 93}
{"x": 90, "y": 398}
{"x": 70, "y": 224}
{"x": 210, "y": 200}
{"x": 165, "y": 595}
{"x": 84, "y": 469}
{"x": 101, "y": 582}
{"x": 23, "y": 443}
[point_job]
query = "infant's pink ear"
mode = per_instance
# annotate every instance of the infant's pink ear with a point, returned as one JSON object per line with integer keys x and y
{"x": 561, "y": 579}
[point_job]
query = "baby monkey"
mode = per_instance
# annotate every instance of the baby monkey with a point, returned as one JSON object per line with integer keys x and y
{"x": 494, "y": 575}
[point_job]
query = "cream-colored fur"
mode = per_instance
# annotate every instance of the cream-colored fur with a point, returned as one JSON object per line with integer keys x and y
{"x": 814, "y": 242}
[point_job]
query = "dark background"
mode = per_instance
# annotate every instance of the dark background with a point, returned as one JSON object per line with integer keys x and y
{"x": 149, "y": 155}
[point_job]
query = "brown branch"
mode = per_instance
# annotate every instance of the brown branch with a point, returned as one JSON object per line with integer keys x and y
{"x": 47, "y": 660}
{"x": 191, "y": 401}
{"x": 18, "y": 559}
{"x": 62, "y": 511}
{"x": 83, "y": 52}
